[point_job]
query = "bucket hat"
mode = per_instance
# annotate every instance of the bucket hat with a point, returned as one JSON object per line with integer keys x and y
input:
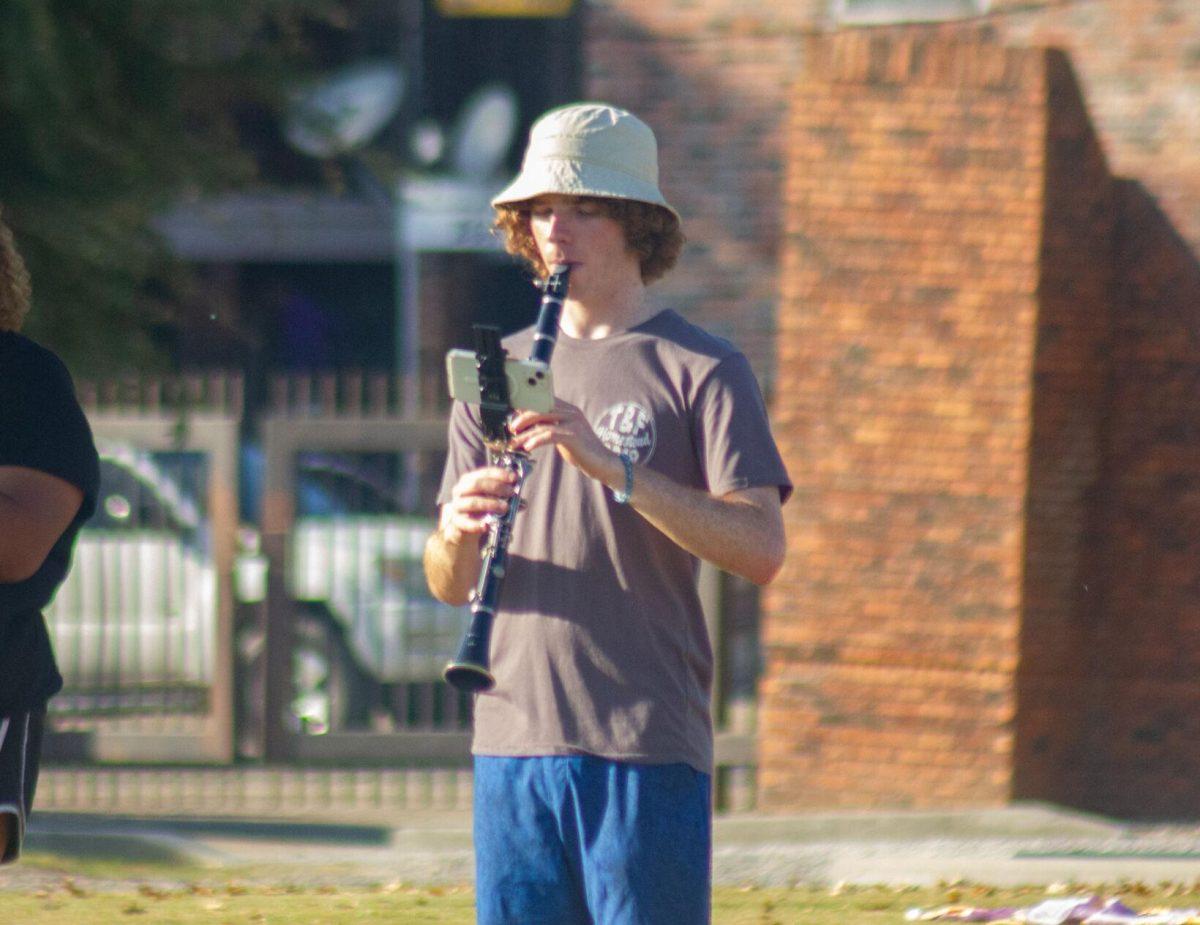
{"x": 589, "y": 149}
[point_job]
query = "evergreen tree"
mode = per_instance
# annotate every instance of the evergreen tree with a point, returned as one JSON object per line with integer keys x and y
{"x": 110, "y": 110}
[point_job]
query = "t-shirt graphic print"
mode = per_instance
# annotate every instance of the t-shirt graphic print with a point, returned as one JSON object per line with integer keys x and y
{"x": 627, "y": 427}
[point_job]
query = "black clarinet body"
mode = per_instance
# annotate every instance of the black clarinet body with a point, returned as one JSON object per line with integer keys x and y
{"x": 470, "y": 670}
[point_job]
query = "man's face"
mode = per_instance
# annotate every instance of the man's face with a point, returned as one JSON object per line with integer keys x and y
{"x": 576, "y": 231}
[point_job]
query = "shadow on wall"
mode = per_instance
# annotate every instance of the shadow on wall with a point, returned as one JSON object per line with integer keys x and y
{"x": 1143, "y": 719}
{"x": 1062, "y": 592}
{"x": 1108, "y": 715}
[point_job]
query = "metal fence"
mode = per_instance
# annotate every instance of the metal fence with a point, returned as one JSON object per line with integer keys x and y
{"x": 251, "y": 591}
{"x": 354, "y": 640}
{"x": 142, "y": 626}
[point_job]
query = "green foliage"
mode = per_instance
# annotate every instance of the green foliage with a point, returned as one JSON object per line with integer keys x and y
{"x": 108, "y": 112}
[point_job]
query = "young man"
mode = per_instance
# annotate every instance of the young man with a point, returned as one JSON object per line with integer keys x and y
{"x": 593, "y": 753}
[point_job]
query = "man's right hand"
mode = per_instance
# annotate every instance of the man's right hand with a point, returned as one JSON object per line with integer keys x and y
{"x": 451, "y": 564}
{"x": 476, "y": 495}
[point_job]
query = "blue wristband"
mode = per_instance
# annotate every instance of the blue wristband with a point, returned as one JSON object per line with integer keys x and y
{"x": 621, "y": 497}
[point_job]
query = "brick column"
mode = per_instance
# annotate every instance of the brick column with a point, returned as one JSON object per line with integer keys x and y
{"x": 907, "y": 336}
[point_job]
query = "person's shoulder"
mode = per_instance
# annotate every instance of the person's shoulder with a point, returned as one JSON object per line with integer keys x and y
{"x": 25, "y": 360}
{"x": 686, "y": 337}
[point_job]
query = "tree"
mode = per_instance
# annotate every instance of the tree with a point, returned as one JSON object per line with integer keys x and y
{"x": 109, "y": 111}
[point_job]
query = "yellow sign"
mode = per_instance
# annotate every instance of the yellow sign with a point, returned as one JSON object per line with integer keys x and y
{"x": 549, "y": 9}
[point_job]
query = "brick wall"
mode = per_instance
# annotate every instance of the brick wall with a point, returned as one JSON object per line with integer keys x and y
{"x": 1138, "y": 63}
{"x": 713, "y": 76}
{"x": 907, "y": 333}
{"x": 986, "y": 378}
{"x": 989, "y": 378}
{"x": 717, "y": 106}
{"x": 1143, "y": 752}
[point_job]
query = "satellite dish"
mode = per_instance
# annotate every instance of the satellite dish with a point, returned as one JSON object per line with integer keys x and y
{"x": 427, "y": 142}
{"x": 345, "y": 110}
{"x": 484, "y": 131}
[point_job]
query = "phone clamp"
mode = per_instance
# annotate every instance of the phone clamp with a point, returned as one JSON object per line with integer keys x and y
{"x": 494, "y": 403}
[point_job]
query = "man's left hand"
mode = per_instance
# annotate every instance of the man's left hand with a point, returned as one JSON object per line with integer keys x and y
{"x": 739, "y": 531}
{"x": 568, "y": 430}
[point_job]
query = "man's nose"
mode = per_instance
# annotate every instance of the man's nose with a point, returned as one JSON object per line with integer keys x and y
{"x": 560, "y": 227}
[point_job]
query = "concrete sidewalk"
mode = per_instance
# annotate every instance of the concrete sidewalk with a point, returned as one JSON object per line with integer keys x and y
{"x": 1025, "y": 844}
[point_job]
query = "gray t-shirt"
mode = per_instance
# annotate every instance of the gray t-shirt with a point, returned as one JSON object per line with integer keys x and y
{"x": 600, "y": 644}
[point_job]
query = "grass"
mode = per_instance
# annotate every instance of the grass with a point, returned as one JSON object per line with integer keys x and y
{"x": 106, "y": 893}
{"x": 455, "y": 906}
{"x": 238, "y": 904}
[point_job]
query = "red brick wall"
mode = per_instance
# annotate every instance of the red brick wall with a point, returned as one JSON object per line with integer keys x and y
{"x": 1138, "y": 62}
{"x": 986, "y": 379}
{"x": 717, "y": 105}
{"x": 907, "y": 332}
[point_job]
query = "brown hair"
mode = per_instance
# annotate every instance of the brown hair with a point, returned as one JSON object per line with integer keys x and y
{"x": 14, "y": 283}
{"x": 651, "y": 232}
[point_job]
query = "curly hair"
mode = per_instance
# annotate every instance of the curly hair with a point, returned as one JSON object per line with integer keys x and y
{"x": 651, "y": 232}
{"x": 14, "y": 283}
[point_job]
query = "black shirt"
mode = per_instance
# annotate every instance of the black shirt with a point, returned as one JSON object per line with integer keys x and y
{"x": 41, "y": 427}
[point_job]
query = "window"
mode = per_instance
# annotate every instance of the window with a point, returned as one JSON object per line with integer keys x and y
{"x": 881, "y": 12}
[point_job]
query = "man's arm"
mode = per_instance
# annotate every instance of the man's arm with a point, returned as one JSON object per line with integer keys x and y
{"x": 740, "y": 532}
{"x": 451, "y": 568}
{"x": 35, "y": 509}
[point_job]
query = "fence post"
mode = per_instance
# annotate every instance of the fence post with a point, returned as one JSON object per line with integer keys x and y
{"x": 278, "y": 512}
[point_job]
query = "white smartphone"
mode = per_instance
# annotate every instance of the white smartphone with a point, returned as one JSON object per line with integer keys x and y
{"x": 530, "y": 384}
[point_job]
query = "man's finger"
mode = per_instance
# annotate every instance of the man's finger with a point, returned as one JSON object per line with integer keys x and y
{"x": 470, "y": 525}
{"x": 485, "y": 481}
{"x": 482, "y": 504}
{"x": 527, "y": 419}
{"x": 492, "y": 472}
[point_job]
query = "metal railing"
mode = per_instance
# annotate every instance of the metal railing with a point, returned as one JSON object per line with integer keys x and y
{"x": 263, "y": 598}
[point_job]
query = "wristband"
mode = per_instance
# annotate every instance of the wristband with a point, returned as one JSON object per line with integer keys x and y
{"x": 622, "y": 497}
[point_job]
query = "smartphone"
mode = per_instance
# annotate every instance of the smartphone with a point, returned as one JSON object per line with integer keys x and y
{"x": 530, "y": 385}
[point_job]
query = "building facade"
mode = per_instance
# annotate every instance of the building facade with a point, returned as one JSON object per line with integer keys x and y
{"x": 958, "y": 241}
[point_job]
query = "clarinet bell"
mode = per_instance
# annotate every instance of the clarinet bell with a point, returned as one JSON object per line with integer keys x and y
{"x": 468, "y": 672}
{"x": 468, "y": 677}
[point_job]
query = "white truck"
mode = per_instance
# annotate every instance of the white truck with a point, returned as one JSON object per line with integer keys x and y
{"x": 137, "y": 613}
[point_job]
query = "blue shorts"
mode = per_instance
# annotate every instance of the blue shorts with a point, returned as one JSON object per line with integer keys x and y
{"x": 577, "y": 840}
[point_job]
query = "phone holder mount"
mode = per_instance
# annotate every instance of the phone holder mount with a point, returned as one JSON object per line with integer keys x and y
{"x": 495, "y": 405}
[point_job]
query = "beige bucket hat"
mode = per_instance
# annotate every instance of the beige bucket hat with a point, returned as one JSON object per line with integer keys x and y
{"x": 589, "y": 149}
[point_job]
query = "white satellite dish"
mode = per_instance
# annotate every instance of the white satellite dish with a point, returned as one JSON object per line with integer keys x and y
{"x": 484, "y": 131}
{"x": 344, "y": 110}
{"x": 427, "y": 142}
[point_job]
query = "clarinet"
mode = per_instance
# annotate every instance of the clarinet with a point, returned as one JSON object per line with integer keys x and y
{"x": 470, "y": 669}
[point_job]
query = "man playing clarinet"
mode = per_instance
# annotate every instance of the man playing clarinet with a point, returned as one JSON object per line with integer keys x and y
{"x": 594, "y": 750}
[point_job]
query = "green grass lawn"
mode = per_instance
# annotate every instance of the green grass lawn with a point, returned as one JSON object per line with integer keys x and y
{"x": 108, "y": 893}
{"x": 454, "y": 906}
